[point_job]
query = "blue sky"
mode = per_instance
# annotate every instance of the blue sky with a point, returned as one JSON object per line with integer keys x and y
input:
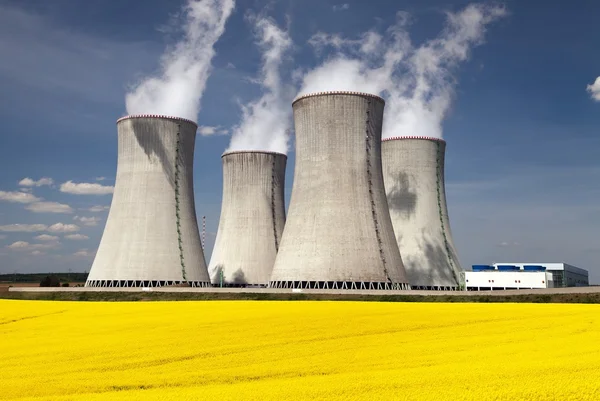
{"x": 522, "y": 169}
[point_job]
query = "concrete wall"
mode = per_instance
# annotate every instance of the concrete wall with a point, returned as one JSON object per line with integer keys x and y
{"x": 252, "y": 218}
{"x": 143, "y": 235}
{"x": 413, "y": 171}
{"x": 338, "y": 227}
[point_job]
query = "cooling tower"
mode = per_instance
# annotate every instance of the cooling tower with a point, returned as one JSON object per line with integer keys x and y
{"x": 252, "y": 218}
{"x": 413, "y": 172}
{"x": 338, "y": 232}
{"x": 151, "y": 236}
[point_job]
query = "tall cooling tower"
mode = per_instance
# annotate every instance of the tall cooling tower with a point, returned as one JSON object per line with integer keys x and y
{"x": 151, "y": 236}
{"x": 252, "y": 218}
{"x": 338, "y": 233}
{"x": 413, "y": 172}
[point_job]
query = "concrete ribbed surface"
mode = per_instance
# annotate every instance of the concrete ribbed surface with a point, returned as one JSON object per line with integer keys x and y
{"x": 338, "y": 226}
{"x": 413, "y": 172}
{"x": 252, "y": 218}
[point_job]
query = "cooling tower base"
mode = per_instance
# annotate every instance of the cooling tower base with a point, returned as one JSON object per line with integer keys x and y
{"x": 145, "y": 283}
{"x": 434, "y": 288}
{"x": 339, "y": 285}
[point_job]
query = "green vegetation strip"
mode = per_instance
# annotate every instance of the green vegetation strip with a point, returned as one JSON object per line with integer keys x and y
{"x": 591, "y": 298}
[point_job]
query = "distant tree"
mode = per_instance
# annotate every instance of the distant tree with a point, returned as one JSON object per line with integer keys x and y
{"x": 50, "y": 281}
{"x": 65, "y": 284}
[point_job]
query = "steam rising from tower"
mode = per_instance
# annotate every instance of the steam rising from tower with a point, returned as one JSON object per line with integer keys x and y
{"x": 185, "y": 67}
{"x": 417, "y": 82}
{"x": 266, "y": 120}
{"x": 338, "y": 232}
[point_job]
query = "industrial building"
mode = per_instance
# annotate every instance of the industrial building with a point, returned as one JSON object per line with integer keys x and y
{"x": 563, "y": 274}
{"x": 338, "y": 232}
{"x": 413, "y": 173}
{"x": 151, "y": 235}
{"x": 507, "y": 276}
{"x": 252, "y": 218}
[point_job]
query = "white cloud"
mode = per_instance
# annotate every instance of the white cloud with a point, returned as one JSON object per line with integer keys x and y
{"x": 85, "y": 188}
{"x": 594, "y": 90}
{"x": 98, "y": 208}
{"x": 85, "y": 253}
{"x": 28, "y": 182}
{"x": 100, "y": 178}
{"x": 230, "y": 65}
{"x": 206, "y": 130}
{"x": 49, "y": 207}
{"x": 341, "y": 7}
{"x": 38, "y": 252}
{"x": 77, "y": 237}
{"x": 18, "y": 197}
{"x": 25, "y": 228}
{"x": 63, "y": 228}
{"x": 46, "y": 237}
{"x": 87, "y": 221}
{"x": 26, "y": 246}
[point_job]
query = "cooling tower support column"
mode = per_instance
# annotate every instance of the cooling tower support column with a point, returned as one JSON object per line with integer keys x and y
{"x": 338, "y": 233}
{"x": 151, "y": 236}
{"x": 252, "y": 218}
{"x": 413, "y": 171}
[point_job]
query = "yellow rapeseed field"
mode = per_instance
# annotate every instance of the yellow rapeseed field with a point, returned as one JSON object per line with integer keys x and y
{"x": 253, "y": 350}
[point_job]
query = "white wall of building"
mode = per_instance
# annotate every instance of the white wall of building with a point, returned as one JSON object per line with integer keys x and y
{"x": 505, "y": 280}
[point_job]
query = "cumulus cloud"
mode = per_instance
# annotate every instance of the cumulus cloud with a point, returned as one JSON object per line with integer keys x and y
{"x": 28, "y": 182}
{"x": 49, "y": 207}
{"x": 98, "y": 208}
{"x": 63, "y": 228}
{"x": 85, "y": 188}
{"x": 87, "y": 221}
{"x": 46, "y": 237}
{"x": 594, "y": 90}
{"x": 341, "y": 7}
{"x": 185, "y": 67}
{"x": 265, "y": 121}
{"x": 77, "y": 237}
{"x": 417, "y": 82}
{"x": 18, "y": 197}
{"x": 24, "y": 228}
{"x": 26, "y": 246}
{"x": 100, "y": 178}
{"x": 206, "y": 130}
{"x": 84, "y": 253}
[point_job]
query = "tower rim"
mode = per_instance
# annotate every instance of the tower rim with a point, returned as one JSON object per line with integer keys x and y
{"x": 425, "y": 138}
{"x": 327, "y": 93}
{"x": 163, "y": 116}
{"x": 266, "y": 152}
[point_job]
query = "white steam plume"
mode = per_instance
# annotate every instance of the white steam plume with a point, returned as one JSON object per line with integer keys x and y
{"x": 265, "y": 121}
{"x": 417, "y": 82}
{"x": 186, "y": 66}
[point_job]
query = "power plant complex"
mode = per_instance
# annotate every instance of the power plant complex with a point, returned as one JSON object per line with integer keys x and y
{"x": 252, "y": 218}
{"x": 364, "y": 214}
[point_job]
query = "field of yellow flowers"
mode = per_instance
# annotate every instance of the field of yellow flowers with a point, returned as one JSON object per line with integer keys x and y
{"x": 276, "y": 350}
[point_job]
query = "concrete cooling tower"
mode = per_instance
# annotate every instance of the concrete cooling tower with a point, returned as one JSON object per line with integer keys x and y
{"x": 151, "y": 236}
{"x": 252, "y": 218}
{"x": 338, "y": 232}
{"x": 413, "y": 172}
